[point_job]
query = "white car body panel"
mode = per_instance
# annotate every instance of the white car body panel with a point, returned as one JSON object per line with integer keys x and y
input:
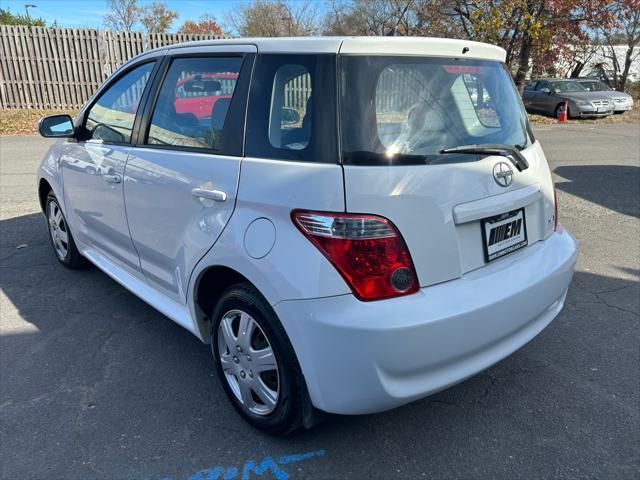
{"x": 433, "y": 47}
{"x": 170, "y": 228}
{"x": 293, "y": 267}
{"x": 152, "y": 236}
{"x": 97, "y": 215}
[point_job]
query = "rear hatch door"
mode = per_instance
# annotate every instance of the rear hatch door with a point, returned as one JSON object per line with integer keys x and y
{"x": 456, "y": 212}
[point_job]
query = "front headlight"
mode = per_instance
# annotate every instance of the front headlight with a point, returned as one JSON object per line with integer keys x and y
{"x": 581, "y": 102}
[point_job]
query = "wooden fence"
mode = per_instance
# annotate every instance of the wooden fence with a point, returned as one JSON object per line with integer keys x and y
{"x": 61, "y": 67}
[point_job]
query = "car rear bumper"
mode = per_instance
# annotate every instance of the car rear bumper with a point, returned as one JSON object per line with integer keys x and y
{"x": 365, "y": 357}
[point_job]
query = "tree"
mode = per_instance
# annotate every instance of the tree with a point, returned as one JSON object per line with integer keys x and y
{"x": 529, "y": 30}
{"x": 123, "y": 16}
{"x": 157, "y": 17}
{"x": 275, "y": 18}
{"x": 8, "y": 18}
{"x": 388, "y": 17}
{"x": 206, "y": 25}
{"x": 623, "y": 37}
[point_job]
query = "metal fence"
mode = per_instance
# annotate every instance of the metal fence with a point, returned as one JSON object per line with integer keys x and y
{"x": 61, "y": 67}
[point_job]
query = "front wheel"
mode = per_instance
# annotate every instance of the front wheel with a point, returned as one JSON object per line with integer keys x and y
{"x": 255, "y": 361}
{"x": 61, "y": 239}
{"x": 559, "y": 109}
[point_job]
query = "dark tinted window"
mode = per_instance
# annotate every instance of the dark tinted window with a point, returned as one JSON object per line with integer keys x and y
{"x": 405, "y": 110}
{"x": 111, "y": 118}
{"x": 193, "y": 102}
{"x": 290, "y": 118}
{"x": 292, "y": 112}
{"x": 542, "y": 85}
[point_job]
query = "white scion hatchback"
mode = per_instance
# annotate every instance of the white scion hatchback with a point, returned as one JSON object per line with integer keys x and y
{"x": 352, "y": 223}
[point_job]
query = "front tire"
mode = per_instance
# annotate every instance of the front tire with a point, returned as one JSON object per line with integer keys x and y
{"x": 559, "y": 109}
{"x": 60, "y": 235}
{"x": 255, "y": 361}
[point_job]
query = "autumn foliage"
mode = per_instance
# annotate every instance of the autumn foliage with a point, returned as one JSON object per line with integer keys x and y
{"x": 206, "y": 25}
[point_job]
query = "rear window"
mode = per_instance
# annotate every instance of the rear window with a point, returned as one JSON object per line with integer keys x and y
{"x": 407, "y": 109}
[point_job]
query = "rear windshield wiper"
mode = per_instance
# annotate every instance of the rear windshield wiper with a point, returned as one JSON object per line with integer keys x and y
{"x": 509, "y": 151}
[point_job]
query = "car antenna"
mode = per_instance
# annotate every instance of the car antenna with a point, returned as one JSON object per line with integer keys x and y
{"x": 394, "y": 29}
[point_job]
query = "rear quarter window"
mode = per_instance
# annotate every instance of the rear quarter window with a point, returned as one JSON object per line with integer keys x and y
{"x": 291, "y": 113}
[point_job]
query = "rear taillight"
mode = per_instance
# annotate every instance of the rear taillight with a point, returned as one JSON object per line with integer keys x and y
{"x": 367, "y": 250}
{"x": 555, "y": 208}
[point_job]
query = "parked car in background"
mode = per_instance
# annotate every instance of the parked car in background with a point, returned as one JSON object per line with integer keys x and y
{"x": 622, "y": 102}
{"x": 352, "y": 247}
{"x": 548, "y": 95}
{"x": 198, "y": 94}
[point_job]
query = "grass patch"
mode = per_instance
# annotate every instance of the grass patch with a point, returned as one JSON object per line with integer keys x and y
{"x": 23, "y": 122}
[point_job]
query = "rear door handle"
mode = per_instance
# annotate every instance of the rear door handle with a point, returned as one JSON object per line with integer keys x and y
{"x": 215, "y": 195}
{"x": 112, "y": 178}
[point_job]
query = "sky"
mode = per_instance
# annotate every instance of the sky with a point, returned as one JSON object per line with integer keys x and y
{"x": 90, "y": 13}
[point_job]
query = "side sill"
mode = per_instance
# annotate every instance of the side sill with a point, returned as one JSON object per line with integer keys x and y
{"x": 168, "y": 307}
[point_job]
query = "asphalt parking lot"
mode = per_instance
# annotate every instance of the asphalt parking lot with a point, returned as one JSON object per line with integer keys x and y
{"x": 95, "y": 384}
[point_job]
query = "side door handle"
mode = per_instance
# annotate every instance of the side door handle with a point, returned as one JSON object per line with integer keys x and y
{"x": 215, "y": 195}
{"x": 112, "y": 178}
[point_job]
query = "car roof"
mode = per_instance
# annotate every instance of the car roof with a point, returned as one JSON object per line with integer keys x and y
{"x": 428, "y": 46}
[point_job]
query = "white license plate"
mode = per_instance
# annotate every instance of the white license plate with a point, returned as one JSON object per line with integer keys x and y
{"x": 603, "y": 109}
{"x": 504, "y": 234}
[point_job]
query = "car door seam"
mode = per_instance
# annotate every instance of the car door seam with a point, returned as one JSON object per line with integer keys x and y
{"x": 126, "y": 215}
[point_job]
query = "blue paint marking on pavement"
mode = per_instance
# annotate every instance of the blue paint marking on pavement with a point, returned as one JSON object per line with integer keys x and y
{"x": 252, "y": 470}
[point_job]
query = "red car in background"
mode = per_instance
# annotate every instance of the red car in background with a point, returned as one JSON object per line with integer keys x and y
{"x": 199, "y": 93}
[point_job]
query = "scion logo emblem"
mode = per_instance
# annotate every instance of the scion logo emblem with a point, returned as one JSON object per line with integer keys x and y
{"x": 503, "y": 174}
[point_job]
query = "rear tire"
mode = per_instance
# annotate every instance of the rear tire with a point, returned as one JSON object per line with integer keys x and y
{"x": 60, "y": 236}
{"x": 268, "y": 391}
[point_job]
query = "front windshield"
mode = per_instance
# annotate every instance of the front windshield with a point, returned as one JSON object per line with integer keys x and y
{"x": 406, "y": 110}
{"x": 566, "y": 87}
{"x": 594, "y": 86}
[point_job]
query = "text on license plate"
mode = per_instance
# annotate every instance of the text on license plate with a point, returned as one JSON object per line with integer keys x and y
{"x": 504, "y": 234}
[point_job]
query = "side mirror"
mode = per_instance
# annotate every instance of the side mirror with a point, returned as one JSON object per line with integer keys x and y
{"x": 107, "y": 134}
{"x": 290, "y": 116}
{"x": 56, "y": 126}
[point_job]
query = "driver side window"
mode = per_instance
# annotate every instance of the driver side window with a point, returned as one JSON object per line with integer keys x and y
{"x": 111, "y": 118}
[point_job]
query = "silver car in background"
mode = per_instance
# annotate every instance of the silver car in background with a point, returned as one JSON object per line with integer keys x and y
{"x": 548, "y": 95}
{"x": 622, "y": 102}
